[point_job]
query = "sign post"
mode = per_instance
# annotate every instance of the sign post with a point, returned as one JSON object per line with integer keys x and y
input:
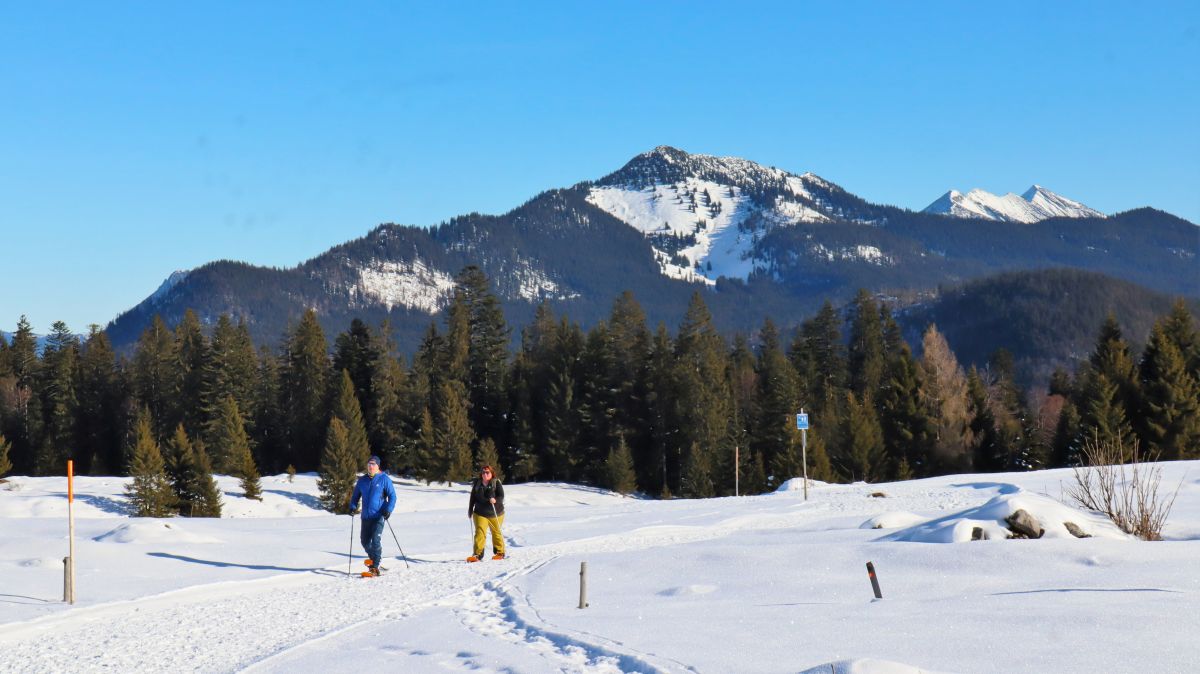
{"x": 736, "y": 467}
{"x": 802, "y": 426}
{"x": 69, "y": 570}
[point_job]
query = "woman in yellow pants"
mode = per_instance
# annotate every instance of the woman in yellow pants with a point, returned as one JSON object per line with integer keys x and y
{"x": 486, "y": 510}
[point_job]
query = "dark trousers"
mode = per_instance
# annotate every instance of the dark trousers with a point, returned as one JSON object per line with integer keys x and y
{"x": 372, "y": 532}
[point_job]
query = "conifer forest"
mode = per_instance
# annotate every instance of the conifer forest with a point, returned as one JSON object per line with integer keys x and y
{"x": 668, "y": 411}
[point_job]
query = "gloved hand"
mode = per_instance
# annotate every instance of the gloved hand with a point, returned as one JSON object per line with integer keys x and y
{"x": 386, "y": 515}
{"x": 354, "y": 511}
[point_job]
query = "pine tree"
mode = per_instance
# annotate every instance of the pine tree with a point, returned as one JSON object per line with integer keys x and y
{"x": 819, "y": 358}
{"x": 191, "y": 476}
{"x": 101, "y": 398}
{"x": 267, "y": 432}
{"x": 428, "y": 460}
{"x": 1102, "y": 412}
{"x": 866, "y": 350}
{"x": 618, "y": 469}
{"x": 453, "y": 433}
{"x": 863, "y": 453}
{"x": 388, "y": 430}
{"x": 983, "y": 423}
{"x": 1111, "y": 358}
{"x": 487, "y": 354}
{"x": 356, "y": 352}
{"x": 697, "y": 475}
{"x": 1172, "y": 400}
{"x": 703, "y": 399}
{"x": 26, "y": 427}
{"x": 192, "y": 365}
{"x": 208, "y": 502}
{"x": 59, "y": 402}
{"x": 231, "y": 368}
{"x": 907, "y": 426}
{"x": 233, "y": 448}
{"x": 774, "y": 428}
{"x": 1180, "y": 327}
{"x": 303, "y": 389}
{"x": 338, "y": 469}
{"x": 150, "y": 491}
{"x": 489, "y": 457}
{"x": 5, "y": 463}
{"x": 155, "y": 376}
{"x": 346, "y": 408}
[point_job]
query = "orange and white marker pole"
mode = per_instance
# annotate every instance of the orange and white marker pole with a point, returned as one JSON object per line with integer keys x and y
{"x": 69, "y": 562}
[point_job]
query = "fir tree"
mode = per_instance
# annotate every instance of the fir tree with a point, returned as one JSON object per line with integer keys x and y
{"x": 907, "y": 426}
{"x": 346, "y": 408}
{"x": 155, "y": 376}
{"x": 819, "y": 358}
{"x": 773, "y": 431}
{"x": 983, "y": 423}
{"x": 191, "y": 477}
{"x": 487, "y": 355}
{"x": 1180, "y": 328}
{"x": 192, "y": 366}
{"x": 1172, "y": 402}
{"x": 863, "y": 454}
{"x": 233, "y": 449}
{"x": 697, "y": 478}
{"x": 26, "y": 426}
{"x": 5, "y": 463}
{"x": 231, "y": 368}
{"x": 1102, "y": 413}
{"x": 387, "y": 430}
{"x": 339, "y": 469}
{"x": 618, "y": 469}
{"x": 150, "y": 491}
{"x": 355, "y": 352}
{"x": 303, "y": 389}
{"x": 866, "y": 350}
{"x": 59, "y": 402}
{"x": 489, "y": 457}
{"x": 101, "y": 398}
{"x": 453, "y": 433}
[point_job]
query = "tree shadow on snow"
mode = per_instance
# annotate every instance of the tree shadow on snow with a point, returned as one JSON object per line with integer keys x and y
{"x": 16, "y": 599}
{"x": 303, "y": 499}
{"x": 1089, "y": 589}
{"x": 107, "y": 504}
{"x": 210, "y": 562}
{"x": 1002, "y": 487}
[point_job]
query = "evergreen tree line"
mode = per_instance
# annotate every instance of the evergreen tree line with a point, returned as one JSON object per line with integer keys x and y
{"x": 618, "y": 405}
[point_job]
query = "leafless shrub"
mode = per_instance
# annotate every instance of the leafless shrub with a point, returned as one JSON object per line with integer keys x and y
{"x": 1115, "y": 481}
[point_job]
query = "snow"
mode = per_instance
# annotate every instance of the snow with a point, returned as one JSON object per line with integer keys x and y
{"x": 1035, "y": 205}
{"x": 164, "y": 289}
{"x": 723, "y": 244}
{"x": 413, "y": 284}
{"x": 769, "y": 583}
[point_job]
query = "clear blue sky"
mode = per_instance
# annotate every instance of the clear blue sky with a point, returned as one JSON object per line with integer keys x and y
{"x": 140, "y": 138}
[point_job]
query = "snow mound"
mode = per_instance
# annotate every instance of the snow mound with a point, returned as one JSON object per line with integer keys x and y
{"x": 1053, "y": 516}
{"x": 152, "y": 531}
{"x": 797, "y": 484}
{"x": 866, "y": 666}
{"x": 893, "y": 520}
{"x": 688, "y": 590}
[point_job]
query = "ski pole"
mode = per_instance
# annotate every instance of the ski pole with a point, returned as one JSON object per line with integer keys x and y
{"x": 402, "y": 555}
{"x": 350, "y": 553}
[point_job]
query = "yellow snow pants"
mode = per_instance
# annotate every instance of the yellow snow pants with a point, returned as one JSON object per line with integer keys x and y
{"x": 482, "y": 525}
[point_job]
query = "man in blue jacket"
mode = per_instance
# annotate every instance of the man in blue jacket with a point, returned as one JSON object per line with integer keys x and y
{"x": 378, "y": 501}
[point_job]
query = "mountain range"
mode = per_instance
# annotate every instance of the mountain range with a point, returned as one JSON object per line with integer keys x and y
{"x": 755, "y": 240}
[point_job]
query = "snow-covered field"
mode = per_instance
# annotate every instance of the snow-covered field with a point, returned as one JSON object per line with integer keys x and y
{"x": 756, "y": 584}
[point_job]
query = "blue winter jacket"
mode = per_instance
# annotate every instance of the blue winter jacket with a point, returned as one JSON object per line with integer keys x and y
{"x": 377, "y": 493}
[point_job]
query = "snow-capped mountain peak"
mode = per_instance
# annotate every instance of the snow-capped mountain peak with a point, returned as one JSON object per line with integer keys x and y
{"x": 1035, "y": 205}
{"x": 706, "y": 214}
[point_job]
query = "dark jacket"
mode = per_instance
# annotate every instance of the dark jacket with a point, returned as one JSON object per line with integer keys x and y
{"x": 378, "y": 495}
{"x": 480, "y": 494}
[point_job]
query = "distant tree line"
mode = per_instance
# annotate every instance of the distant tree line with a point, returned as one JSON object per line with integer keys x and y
{"x": 619, "y": 405}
